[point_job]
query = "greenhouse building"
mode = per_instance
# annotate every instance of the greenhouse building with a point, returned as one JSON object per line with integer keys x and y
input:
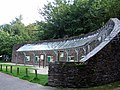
{"x": 74, "y": 49}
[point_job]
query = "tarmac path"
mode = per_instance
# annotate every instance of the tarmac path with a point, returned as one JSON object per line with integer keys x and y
{"x": 8, "y": 82}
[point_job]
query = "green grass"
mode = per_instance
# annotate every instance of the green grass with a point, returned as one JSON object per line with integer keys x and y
{"x": 41, "y": 79}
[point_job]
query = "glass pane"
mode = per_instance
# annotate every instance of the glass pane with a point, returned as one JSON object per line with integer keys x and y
{"x": 27, "y": 58}
{"x": 42, "y": 57}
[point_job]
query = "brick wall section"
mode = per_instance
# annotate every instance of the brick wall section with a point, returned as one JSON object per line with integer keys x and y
{"x": 102, "y": 68}
{"x": 20, "y": 55}
{"x": 15, "y": 47}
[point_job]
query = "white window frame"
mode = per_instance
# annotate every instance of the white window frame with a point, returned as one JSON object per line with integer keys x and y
{"x": 27, "y": 58}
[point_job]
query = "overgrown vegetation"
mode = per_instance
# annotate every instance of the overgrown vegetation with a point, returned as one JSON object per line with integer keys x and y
{"x": 41, "y": 79}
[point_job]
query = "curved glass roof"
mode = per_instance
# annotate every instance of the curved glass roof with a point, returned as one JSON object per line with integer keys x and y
{"x": 66, "y": 44}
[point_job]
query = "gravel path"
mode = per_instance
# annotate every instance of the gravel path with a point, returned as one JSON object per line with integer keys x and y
{"x": 8, "y": 82}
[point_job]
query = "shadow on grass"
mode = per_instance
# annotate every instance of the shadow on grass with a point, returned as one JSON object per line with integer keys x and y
{"x": 25, "y": 77}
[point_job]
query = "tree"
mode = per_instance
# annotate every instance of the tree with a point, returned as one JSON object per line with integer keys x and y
{"x": 54, "y": 14}
{"x": 6, "y": 28}
{"x": 75, "y": 17}
{"x": 11, "y": 34}
{"x": 7, "y": 42}
{"x": 32, "y": 31}
{"x": 18, "y": 28}
{"x": 72, "y": 18}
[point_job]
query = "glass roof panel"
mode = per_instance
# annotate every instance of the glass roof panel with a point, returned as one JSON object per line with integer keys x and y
{"x": 58, "y": 44}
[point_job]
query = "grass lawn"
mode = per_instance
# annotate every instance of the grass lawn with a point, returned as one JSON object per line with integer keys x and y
{"x": 41, "y": 79}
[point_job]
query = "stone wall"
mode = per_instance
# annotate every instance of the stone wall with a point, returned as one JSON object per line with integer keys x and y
{"x": 20, "y": 56}
{"x": 102, "y": 68}
{"x": 14, "y": 52}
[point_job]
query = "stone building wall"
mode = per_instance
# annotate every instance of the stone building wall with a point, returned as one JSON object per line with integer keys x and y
{"x": 102, "y": 68}
{"x": 14, "y": 53}
{"x": 18, "y": 57}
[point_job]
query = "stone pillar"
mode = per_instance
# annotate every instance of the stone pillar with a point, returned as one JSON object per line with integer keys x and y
{"x": 77, "y": 54}
{"x": 56, "y": 53}
{"x": 45, "y": 58}
{"x": 85, "y": 51}
{"x": 103, "y": 37}
{"x": 16, "y": 57}
{"x": 24, "y": 58}
{"x": 88, "y": 46}
{"x": 34, "y": 57}
{"x": 67, "y": 53}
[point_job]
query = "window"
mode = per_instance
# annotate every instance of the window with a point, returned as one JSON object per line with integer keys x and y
{"x": 99, "y": 38}
{"x": 50, "y": 58}
{"x": 61, "y": 53}
{"x": 42, "y": 57}
{"x": 36, "y": 58}
{"x": 71, "y": 58}
{"x": 27, "y": 58}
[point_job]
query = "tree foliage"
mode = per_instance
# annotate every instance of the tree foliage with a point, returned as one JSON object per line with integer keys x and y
{"x": 14, "y": 33}
{"x": 76, "y": 17}
{"x": 7, "y": 42}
